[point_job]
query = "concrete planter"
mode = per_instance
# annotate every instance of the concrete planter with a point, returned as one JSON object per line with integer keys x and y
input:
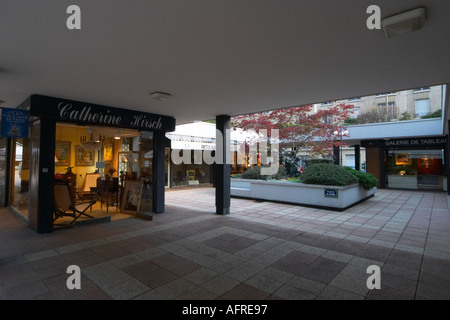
{"x": 333, "y": 197}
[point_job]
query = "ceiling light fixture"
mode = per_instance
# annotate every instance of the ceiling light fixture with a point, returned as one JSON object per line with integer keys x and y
{"x": 118, "y": 134}
{"x": 160, "y": 96}
{"x": 405, "y": 22}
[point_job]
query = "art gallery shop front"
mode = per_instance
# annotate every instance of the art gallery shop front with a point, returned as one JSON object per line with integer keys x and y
{"x": 83, "y": 145}
{"x": 418, "y": 163}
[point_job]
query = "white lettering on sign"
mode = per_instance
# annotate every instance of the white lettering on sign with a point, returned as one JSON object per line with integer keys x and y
{"x": 67, "y": 112}
{"x": 141, "y": 121}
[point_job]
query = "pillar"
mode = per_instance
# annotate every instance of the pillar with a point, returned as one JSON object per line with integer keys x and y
{"x": 357, "y": 157}
{"x": 42, "y": 169}
{"x": 159, "y": 158}
{"x": 222, "y": 167}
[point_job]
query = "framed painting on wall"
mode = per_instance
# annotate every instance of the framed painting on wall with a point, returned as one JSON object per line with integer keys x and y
{"x": 84, "y": 157}
{"x": 62, "y": 153}
{"x": 402, "y": 159}
{"x": 108, "y": 152}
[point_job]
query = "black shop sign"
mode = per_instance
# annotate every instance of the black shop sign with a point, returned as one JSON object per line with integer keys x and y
{"x": 408, "y": 143}
{"x": 92, "y": 114}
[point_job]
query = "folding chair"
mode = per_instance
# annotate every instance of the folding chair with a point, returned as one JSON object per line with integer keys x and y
{"x": 66, "y": 206}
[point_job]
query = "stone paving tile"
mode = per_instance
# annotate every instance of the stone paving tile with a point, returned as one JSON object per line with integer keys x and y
{"x": 245, "y": 291}
{"x": 333, "y": 293}
{"x": 220, "y": 284}
{"x": 288, "y": 292}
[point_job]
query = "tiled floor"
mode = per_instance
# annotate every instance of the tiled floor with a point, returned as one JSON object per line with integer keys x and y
{"x": 261, "y": 250}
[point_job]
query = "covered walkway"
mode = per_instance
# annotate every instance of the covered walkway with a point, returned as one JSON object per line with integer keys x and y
{"x": 260, "y": 251}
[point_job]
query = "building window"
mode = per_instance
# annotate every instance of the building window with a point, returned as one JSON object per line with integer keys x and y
{"x": 326, "y": 103}
{"x": 384, "y": 94}
{"x": 354, "y": 99}
{"x": 422, "y": 107}
{"x": 383, "y": 104}
{"x": 421, "y": 89}
{"x": 327, "y": 120}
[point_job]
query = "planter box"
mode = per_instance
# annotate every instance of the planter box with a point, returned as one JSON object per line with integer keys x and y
{"x": 332, "y": 197}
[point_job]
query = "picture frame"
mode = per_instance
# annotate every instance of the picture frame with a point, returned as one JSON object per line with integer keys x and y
{"x": 131, "y": 196}
{"x": 402, "y": 159}
{"x": 62, "y": 153}
{"x": 84, "y": 157}
{"x": 146, "y": 199}
{"x": 108, "y": 152}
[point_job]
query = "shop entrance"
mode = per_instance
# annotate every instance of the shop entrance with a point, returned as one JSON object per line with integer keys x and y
{"x": 107, "y": 173}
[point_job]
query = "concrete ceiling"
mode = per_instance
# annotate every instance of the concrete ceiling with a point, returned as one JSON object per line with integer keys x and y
{"x": 215, "y": 56}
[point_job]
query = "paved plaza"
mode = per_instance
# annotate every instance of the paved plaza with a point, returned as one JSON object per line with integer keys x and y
{"x": 262, "y": 250}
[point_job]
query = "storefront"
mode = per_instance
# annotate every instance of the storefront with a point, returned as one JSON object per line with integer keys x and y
{"x": 115, "y": 157}
{"x": 412, "y": 163}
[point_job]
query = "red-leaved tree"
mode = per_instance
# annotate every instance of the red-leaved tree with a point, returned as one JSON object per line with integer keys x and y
{"x": 300, "y": 127}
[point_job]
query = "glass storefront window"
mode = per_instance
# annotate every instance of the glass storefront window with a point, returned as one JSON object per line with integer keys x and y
{"x": 416, "y": 169}
{"x": 20, "y": 175}
{"x": 113, "y": 167}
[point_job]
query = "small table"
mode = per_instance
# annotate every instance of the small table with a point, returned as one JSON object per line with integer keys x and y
{"x": 108, "y": 191}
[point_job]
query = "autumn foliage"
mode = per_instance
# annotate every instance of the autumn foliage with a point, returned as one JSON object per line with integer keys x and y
{"x": 300, "y": 127}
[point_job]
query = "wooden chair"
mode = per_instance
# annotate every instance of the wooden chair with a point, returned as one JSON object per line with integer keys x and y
{"x": 65, "y": 206}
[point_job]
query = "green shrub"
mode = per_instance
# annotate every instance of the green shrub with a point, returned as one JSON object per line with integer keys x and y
{"x": 328, "y": 175}
{"x": 366, "y": 180}
{"x": 255, "y": 174}
{"x": 351, "y": 121}
{"x": 311, "y": 162}
{"x": 436, "y": 114}
{"x": 406, "y": 116}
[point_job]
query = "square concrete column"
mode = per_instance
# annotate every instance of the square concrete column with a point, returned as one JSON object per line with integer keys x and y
{"x": 222, "y": 166}
{"x": 159, "y": 159}
{"x": 357, "y": 157}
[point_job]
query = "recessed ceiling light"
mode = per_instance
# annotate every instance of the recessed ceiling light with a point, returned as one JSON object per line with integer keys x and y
{"x": 409, "y": 21}
{"x": 160, "y": 96}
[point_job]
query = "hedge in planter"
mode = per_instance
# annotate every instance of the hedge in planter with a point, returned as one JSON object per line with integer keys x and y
{"x": 366, "y": 180}
{"x": 311, "y": 162}
{"x": 328, "y": 175}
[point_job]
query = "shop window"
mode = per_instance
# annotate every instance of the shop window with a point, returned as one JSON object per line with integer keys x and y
{"x": 20, "y": 175}
{"x": 113, "y": 167}
{"x": 416, "y": 169}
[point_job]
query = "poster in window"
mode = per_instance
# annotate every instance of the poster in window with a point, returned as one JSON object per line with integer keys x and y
{"x": 62, "y": 153}
{"x": 84, "y": 157}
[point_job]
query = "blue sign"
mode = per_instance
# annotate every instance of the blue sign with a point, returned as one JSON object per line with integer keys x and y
{"x": 14, "y": 123}
{"x": 331, "y": 193}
